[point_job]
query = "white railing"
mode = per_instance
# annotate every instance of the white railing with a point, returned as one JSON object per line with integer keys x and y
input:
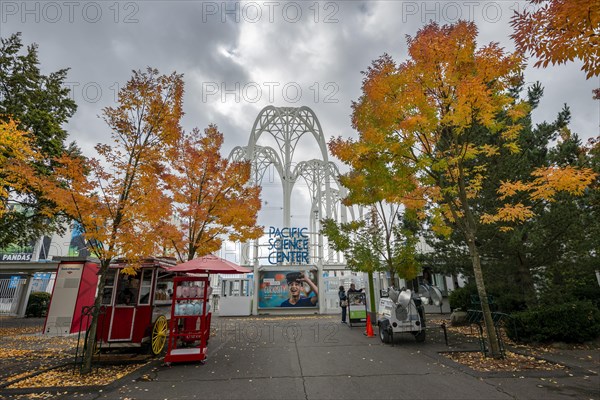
{"x": 10, "y": 292}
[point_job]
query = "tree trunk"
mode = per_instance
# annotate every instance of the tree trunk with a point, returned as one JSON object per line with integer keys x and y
{"x": 91, "y": 337}
{"x": 372, "y": 292}
{"x": 485, "y": 307}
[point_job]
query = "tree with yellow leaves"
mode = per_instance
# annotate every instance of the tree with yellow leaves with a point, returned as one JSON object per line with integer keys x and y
{"x": 119, "y": 200}
{"x": 421, "y": 120}
{"x": 212, "y": 198}
{"x": 16, "y": 153}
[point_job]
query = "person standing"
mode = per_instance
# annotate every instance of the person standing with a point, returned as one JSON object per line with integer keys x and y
{"x": 343, "y": 302}
{"x": 353, "y": 289}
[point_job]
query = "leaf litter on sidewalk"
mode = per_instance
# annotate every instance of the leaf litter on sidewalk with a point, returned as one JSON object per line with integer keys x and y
{"x": 530, "y": 360}
{"x": 66, "y": 376}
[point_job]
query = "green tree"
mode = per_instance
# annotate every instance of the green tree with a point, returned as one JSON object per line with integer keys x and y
{"x": 384, "y": 241}
{"x": 569, "y": 231}
{"x": 41, "y": 105}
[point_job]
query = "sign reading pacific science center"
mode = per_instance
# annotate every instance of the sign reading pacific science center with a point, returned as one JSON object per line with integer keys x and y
{"x": 288, "y": 245}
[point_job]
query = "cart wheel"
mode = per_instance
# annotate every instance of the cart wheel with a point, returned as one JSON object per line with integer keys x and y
{"x": 420, "y": 336}
{"x": 159, "y": 335}
{"x": 384, "y": 333}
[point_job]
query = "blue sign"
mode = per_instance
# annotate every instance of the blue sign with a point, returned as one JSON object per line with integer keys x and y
{"x": 14, "y": 281}
{"x": 288, "y": 245}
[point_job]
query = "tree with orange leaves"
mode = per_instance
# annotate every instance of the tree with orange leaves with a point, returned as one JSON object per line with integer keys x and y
{"x": 211, "y": 196}
{"x": 421, "y": 120}
{"x": 118, "y": 201}
{"x": 559, "y": 31}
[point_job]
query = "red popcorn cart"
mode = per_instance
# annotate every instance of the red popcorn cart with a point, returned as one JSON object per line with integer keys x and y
{"x": 190, "y": 309}
{"x": 190, "y": 319}
{"x": 136, "y": 308}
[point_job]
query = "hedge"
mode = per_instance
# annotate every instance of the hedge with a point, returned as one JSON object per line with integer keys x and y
{"x": 38, "y": 303}
{"x": 574, "y": 322}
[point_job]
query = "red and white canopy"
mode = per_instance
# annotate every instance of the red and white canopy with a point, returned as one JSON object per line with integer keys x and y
{"x": 209, "y": 264}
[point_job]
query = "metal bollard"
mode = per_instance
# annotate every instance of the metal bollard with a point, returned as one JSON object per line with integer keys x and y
{"x": 445, "y": 333}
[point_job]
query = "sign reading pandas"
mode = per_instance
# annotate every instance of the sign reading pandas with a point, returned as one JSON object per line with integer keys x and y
{"x": 15, "y": 257}
{"x": 17, "y": 253}
{"x": 288, "y": 245}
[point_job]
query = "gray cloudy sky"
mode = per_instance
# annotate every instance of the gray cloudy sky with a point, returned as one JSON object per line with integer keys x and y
{"x": 238, "y": 57}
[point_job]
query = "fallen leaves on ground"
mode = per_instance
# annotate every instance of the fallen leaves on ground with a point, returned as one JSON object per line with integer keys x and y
{"x": 512, "y": 362}
{"x": 21, "y": 330}
{"x": 472, "y": 331}
{"x": 19, "y": 376}
{"x": 14, "y": 353}
{"x": 25, "y": 353}
{"x": 42, "y": 395}
{"x": 38, "y": 347}
{"x": 65, "y": 376}
{"x": 466, "y": 330}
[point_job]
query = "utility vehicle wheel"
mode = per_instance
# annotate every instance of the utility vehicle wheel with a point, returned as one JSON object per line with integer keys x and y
{"x": 159, "y": 335}
{"x": 420, "y": 336}
{"x": 384, "y": 332}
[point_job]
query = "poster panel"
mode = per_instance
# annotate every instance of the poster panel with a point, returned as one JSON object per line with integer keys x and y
{"x": 357, "y": 307}
{"x": 77, "y": 245}
{"x": 297, "y": 288}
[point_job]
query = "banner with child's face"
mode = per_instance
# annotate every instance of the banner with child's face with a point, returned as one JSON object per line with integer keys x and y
{"x": 287, "y": 288}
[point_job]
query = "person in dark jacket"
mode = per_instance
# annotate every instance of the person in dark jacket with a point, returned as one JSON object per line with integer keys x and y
{"x": 353, "y": 289}
{"x": 343, "y": 303}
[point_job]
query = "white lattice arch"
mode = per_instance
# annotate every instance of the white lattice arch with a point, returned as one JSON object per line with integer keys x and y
{"x": 287, "y": 125}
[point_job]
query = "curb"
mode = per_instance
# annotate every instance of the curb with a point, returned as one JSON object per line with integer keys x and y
{"x": 36, "y": 373}
{"x": 70, "y": 389}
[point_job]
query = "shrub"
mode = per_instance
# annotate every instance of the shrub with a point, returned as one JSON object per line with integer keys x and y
{"x": 574, "y": 322}
{"x": 501, "y": 299}
{"x": 510, "y": 302}
{"x": 586, "y": 291}
{"x": 589, "y": 292}
{"x": 38, "y": 303}
{"x": 461, "y": 297}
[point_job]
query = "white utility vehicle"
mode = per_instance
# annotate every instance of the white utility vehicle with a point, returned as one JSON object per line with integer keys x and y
{"x": 403, "y": 312}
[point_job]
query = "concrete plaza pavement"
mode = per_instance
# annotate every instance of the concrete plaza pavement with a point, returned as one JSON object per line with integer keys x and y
{"x": 320, "y": 358}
